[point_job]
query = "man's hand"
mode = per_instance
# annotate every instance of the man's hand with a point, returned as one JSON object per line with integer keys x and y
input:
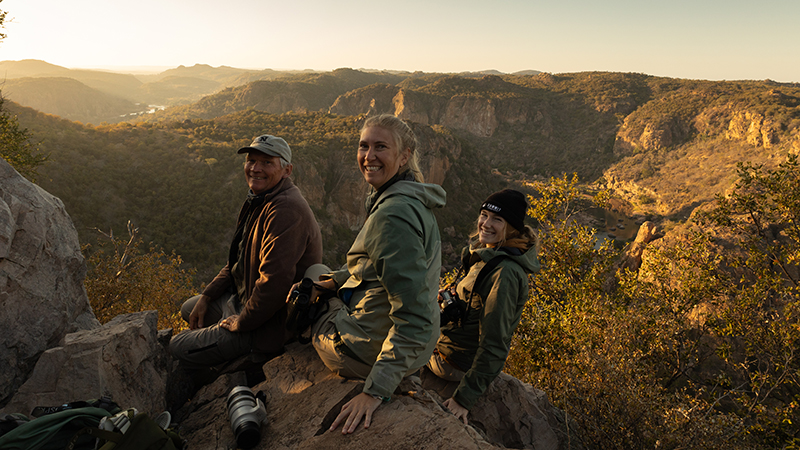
{"x": 230, "y": 323}
{"x": 198, "y": 314}
{"x": 361, "y": 406}
{"x": 324, "y": 284}
{"x": 457, "y": 410}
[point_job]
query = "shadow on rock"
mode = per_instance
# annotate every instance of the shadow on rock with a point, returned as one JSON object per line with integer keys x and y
{"x": 304, "y": 397}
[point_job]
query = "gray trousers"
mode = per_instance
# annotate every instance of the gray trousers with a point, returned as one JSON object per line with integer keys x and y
{"x": 212, "y": 344}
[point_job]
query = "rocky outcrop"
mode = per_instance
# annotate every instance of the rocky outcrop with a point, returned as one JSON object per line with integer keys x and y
{"x": 439, "y": 151}
{"x": 419, "y": 107}
{"x": 304, "y": 397}
{"x": 477, "y": 115}
{"x": 753, "y": 128}
{"x": 651, "y": 135}
{"x": 42, "y": 297}
{"x": 512, "y": 414}
{"x": 123, "y": 359}
{"x": 370, "y": 100}
{"x": 634, "y": 193}
{"x": 632, "y": 258}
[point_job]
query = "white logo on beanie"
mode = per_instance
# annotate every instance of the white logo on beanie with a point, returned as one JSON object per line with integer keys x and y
{"x": 491, "y": 207}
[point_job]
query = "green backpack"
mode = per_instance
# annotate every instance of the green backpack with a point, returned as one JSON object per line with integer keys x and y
{"x": 53, "y": 431}
{"x": 77, "y": 429}
{"x": 143, "y": 434}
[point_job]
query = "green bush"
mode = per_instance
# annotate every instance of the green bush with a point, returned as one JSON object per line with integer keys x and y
{"x": 124, "y": 278}
{"x": 696, "y": 348}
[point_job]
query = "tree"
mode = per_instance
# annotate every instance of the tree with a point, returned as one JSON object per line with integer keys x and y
{"x": 2, "y": 22}
{"x": 15, "y": 144}
{"x": 123, "y": 278}
{"x": 16, "y": 147}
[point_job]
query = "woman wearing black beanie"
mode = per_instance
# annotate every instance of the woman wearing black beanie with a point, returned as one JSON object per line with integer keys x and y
{"x": 483, "y": 309}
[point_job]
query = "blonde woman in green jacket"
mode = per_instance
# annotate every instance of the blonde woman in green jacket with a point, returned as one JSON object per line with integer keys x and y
{"x": 473, "y": 349}
{"x": 383, "y": 324}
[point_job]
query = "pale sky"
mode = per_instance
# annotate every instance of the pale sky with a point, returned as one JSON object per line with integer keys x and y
{"x": 697, "y": 39}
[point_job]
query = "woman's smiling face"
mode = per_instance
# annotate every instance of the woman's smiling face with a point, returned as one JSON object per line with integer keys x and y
{"x": 491, "y": 228}
{"x": 379, "y": 159}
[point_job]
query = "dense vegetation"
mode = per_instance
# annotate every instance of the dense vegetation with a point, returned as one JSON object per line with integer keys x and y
{"x": 124, "y": 278}
{"x": 696, "y": 348}
{"x": 17, "y": 147}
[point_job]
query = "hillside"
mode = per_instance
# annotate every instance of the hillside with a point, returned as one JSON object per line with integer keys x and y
{"x": 300, "y": 92}
{"x": 224, "y": 75}
{"x": 178, "y": 86}
{"x": 69, "y": 98}
{"x": 663, "y": 146}
{"x": 115, "y": 84}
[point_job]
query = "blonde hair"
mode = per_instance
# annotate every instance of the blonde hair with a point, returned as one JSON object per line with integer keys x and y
{"x": 404, "y": 138}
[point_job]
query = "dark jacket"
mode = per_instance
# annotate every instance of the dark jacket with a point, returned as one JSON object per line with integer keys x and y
{"x": 481, "y": 346}
{"x": 282, "y": 241}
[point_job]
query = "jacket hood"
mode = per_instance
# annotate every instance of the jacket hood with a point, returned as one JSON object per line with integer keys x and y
{"x": 430, "y": 195}
{"x": 528, "y": 260}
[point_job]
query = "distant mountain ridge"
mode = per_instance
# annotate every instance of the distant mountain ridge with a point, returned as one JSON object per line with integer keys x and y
{"x": 173, "y": 87}
{"x": 176, "y": 86}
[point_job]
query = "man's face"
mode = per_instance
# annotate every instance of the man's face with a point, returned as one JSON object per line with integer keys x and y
{"x": 263, "y": 172}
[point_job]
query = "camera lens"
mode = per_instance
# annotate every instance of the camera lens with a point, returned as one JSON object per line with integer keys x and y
{"x": 246, "y": 414}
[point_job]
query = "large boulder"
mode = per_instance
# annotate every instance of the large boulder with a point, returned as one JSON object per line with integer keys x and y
{"x": 304, "y": 397}
{"x": 512, "y": 414}
{"x": 42, "y": 297}
{"x": 123, "y": 359}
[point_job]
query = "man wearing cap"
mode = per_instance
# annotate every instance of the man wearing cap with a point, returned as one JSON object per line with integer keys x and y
{"x": 277, "y": 238}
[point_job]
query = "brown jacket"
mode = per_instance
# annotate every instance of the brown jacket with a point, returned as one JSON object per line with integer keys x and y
{"x": 283, "y": 242}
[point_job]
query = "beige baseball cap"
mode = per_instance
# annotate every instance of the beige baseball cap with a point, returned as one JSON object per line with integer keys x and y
{"x": 270, "y": 145}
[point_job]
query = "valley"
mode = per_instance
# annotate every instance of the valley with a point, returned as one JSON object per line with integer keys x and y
{"x": 663, "y": 147}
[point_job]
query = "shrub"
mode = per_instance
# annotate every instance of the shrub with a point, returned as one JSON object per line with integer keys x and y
{"x": 696, "y": 348}
{"x": 16, "y": 146}
{"x": 124, "y": 278}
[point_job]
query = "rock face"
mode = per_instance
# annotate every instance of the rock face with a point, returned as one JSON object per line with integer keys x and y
{"x": 304, "y": 397}
{"x": 632, "y": 258}
{"x": 41, "y": 278}
{"x": 478, "y": 116}
{"x": 122, "y": 359}
{"x": 753, "y": 128}
{"x": 512, "y": 414}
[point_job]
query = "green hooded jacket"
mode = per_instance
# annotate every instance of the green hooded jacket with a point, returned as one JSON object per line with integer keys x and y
{"x": 393, "y": 270}
{"x": 481, "y": 346}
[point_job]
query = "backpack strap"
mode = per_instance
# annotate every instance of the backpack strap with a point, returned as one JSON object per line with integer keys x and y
{"x": 489, "y": 267}
{"x": 485, "y": 270}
